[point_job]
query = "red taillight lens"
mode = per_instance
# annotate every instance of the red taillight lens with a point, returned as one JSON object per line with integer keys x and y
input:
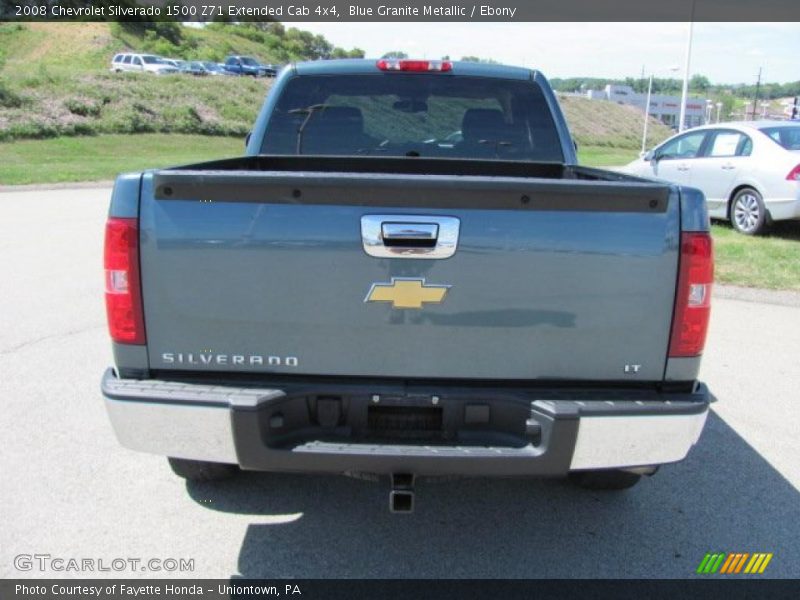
{"x": 123, "y": 294}
{"x": 693, "y": 301}
{"x": 402, "y": 64}
{"x": 794, "y": 174}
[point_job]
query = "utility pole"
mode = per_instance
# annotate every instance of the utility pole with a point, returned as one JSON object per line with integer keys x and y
{"x": 755, "y": 100}
{"x": 647, "y": 114}
{"x": 685, "y": 91}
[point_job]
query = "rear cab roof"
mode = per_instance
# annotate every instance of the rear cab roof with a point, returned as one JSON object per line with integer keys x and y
{"x": 351, "y": 66}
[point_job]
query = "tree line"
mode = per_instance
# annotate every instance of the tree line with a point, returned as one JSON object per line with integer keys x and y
{"x": 698, "y": 84}
{"x": 280, "y": 44}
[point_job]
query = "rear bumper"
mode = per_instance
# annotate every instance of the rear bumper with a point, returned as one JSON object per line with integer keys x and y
{"x": 468, "y": 431}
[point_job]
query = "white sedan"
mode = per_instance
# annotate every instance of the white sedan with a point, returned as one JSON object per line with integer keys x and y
{"x": 748, "y": 171}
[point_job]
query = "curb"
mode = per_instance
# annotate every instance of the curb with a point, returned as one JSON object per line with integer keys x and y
{"x": 757, "y": 295}
{"x": 66, "y": 185}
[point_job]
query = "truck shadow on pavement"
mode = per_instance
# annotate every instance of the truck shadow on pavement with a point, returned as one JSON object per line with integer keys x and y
{"x": 724, "y": 498}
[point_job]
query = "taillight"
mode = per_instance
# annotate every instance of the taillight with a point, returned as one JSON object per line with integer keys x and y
{"x": 693, "y": 301}
{"x": 123, "y": 293}
{"x": 794, "y": 174}
{"x": 402, "y": 64}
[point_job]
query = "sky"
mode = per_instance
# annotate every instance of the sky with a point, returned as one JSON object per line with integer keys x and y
{"x": 723, "y": 52}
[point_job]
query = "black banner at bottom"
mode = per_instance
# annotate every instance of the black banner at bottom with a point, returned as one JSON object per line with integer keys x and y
{"x": 393, "y": 589}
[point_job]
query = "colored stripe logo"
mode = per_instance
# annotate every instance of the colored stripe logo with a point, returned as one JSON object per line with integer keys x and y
{"x": 733, "y": 563}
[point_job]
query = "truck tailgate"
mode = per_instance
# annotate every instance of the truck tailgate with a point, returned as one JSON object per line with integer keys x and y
{"x": 267, "y": 272}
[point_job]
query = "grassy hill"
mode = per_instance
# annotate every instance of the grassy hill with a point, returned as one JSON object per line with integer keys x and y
{"x": 54, "y": 81}
{"x": 608, "y": 124}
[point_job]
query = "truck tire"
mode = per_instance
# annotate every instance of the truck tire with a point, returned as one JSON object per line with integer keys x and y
{"x": 609, "y": 479}
{"x": 199, "y": 470}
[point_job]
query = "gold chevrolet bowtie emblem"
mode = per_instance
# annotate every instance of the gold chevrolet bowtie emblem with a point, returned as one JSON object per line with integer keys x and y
{"x": 406, "y": 293}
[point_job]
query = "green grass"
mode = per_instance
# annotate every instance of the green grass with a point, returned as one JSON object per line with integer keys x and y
{"x": 95, "y": 158}
{"x": 771, "y": 262}
{"x": 55, "y": 81}
{"x": 608, "y": 124}
{"x": 603, "y": 156}
{"x": 103, "y": 157}
{"x": 50, "y": 105}
{"x": 76, "y": 48}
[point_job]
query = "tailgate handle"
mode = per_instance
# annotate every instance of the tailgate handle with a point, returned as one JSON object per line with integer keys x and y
{"x": 409, "y": 236}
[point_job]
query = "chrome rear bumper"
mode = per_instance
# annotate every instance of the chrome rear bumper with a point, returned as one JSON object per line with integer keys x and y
{"x": 485, "y": 432}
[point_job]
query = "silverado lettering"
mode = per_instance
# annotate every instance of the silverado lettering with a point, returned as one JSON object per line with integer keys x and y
{"x": 203, "y": 358}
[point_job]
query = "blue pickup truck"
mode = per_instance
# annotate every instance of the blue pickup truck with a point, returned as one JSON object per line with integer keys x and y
{"x": 407, "y": 274}
{"x": 247, "y": 65}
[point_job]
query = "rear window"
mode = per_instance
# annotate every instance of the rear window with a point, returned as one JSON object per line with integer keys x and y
{"x": 786, "y": 136}
{"x": 433, "y": 115}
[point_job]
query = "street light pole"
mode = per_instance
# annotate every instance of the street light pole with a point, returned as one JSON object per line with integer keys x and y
{"x": 719, "y": 107}
{"x": 647, "y": 114}
{"x": 755, "y": 100}
{"x": 685, "y": 92}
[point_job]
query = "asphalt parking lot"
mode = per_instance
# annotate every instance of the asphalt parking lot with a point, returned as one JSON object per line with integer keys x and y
{"x": 69, "y": 490}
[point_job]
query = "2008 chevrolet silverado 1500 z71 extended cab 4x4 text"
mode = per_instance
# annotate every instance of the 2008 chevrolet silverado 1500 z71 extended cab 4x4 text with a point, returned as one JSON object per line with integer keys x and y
{"x": 407, "y": 274}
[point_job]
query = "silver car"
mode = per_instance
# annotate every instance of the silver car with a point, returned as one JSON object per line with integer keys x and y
{"x": 141, "y": 63}
{"x": 749, "y": 171}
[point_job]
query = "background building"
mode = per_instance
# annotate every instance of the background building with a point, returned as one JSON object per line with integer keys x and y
{"x": 666, "y": 109}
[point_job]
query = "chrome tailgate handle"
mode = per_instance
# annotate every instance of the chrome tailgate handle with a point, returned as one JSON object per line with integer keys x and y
{"x": 409, "y": 236}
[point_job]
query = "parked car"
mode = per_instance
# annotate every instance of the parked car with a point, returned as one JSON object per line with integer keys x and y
{"x": 356, "y": 304}
{"x": 194, "y": 67}
{"x": 213, "y": 68}
{"x": 176, "y": 62}
{"x": 142, "y": 63}
{"x": 272, "y": 70}
{"x": 247, "y": 65}
{"x": 749, "y": 171}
